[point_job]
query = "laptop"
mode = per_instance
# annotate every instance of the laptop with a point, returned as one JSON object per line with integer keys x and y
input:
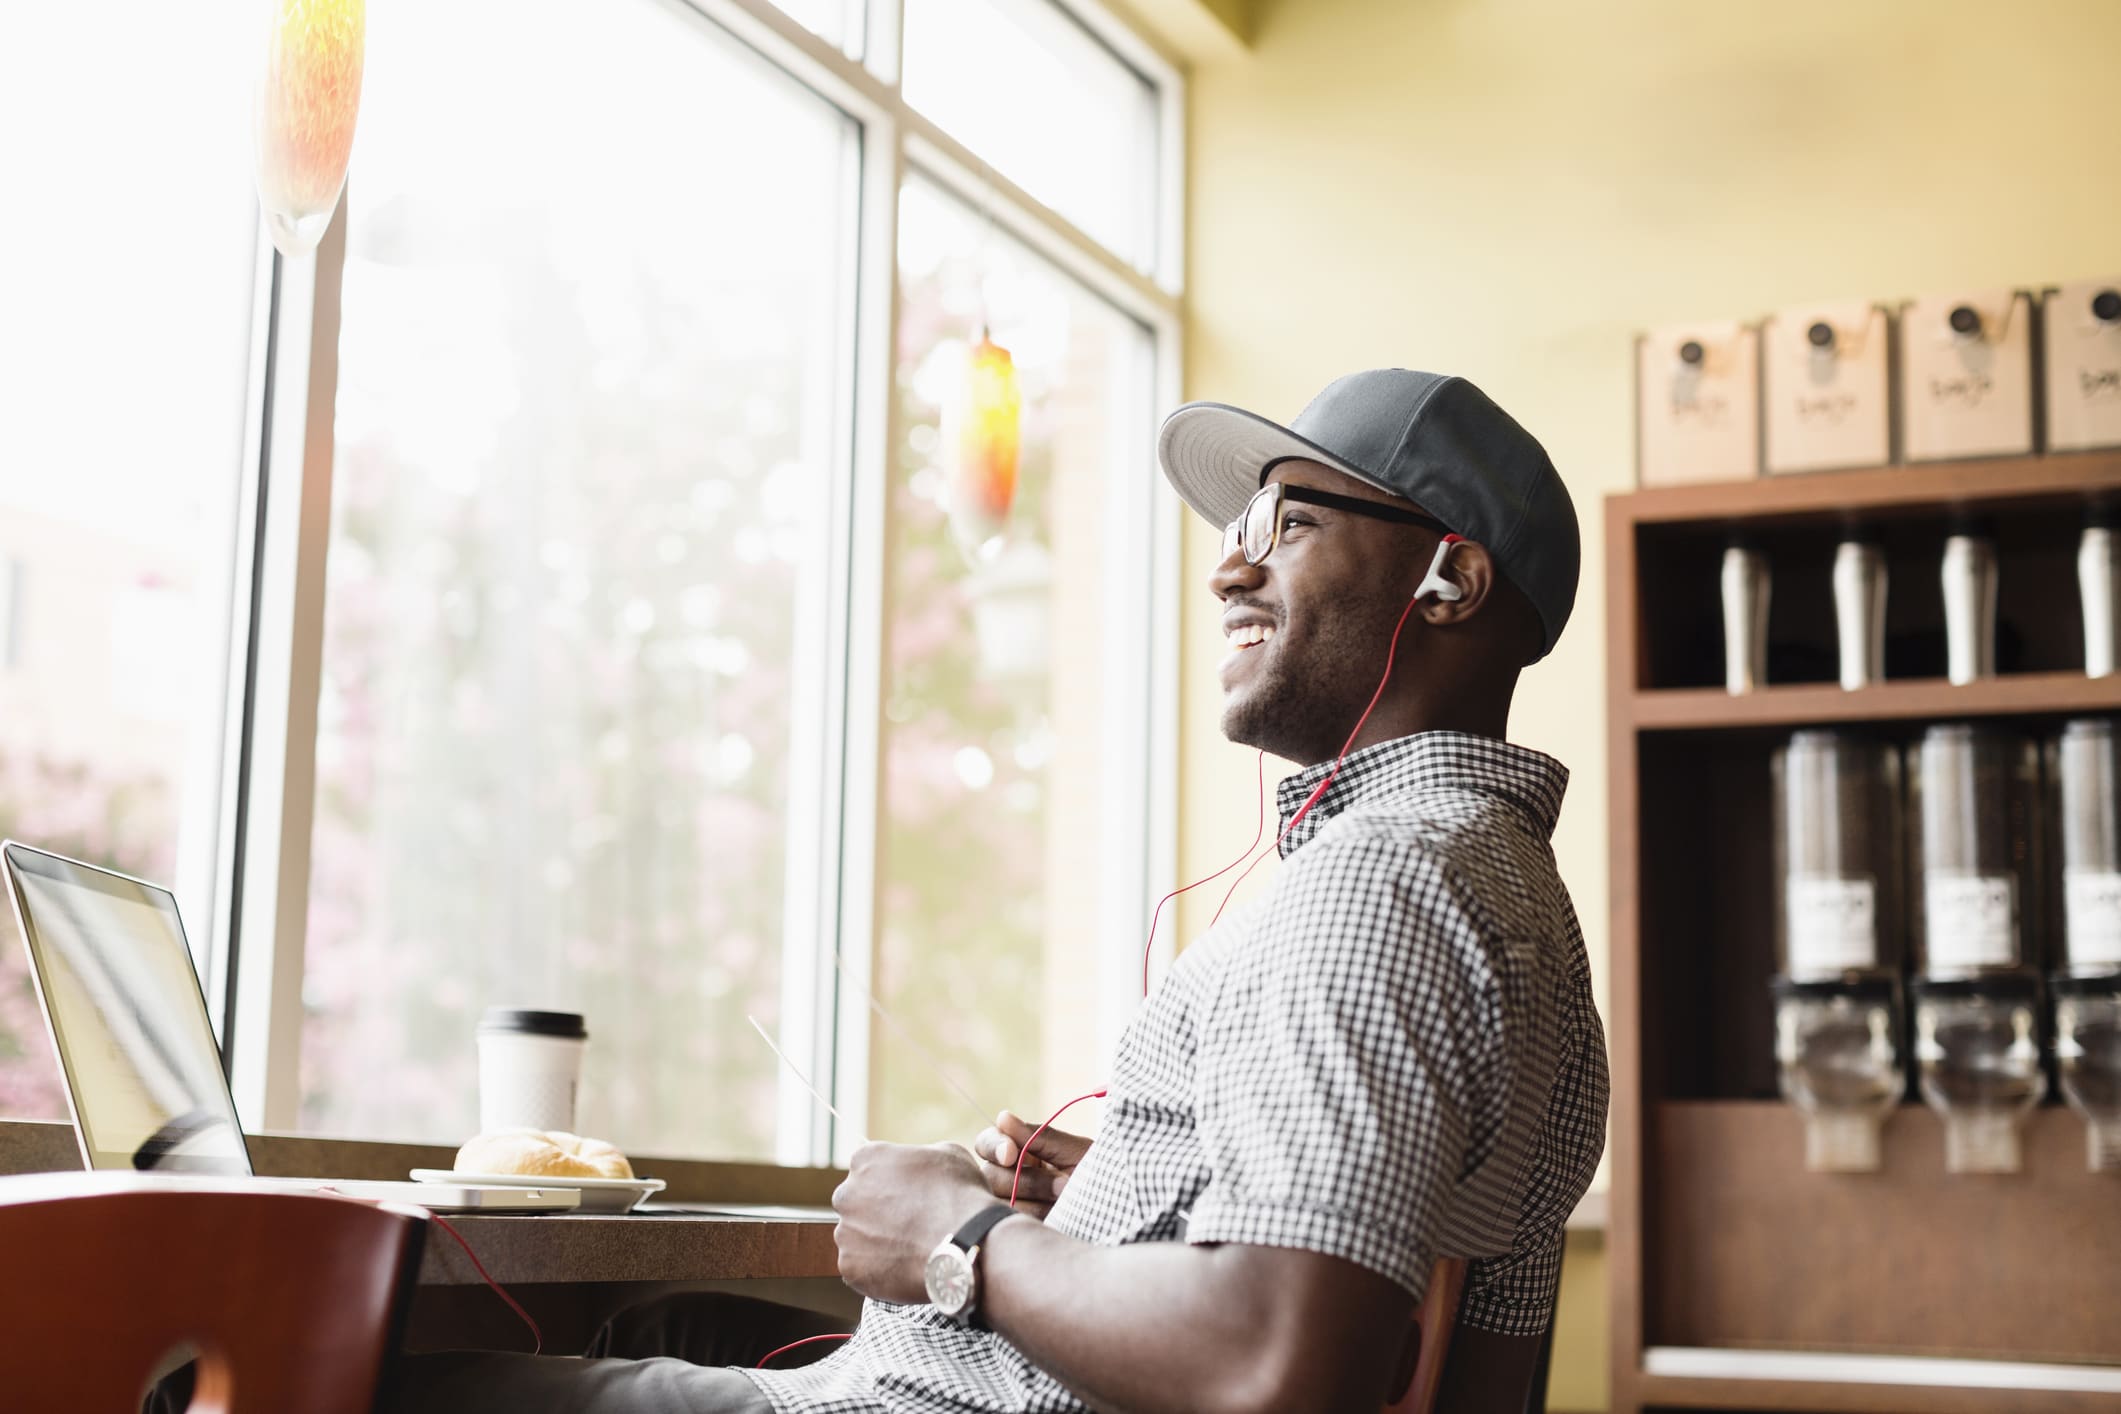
{"x": 121, "y": 998}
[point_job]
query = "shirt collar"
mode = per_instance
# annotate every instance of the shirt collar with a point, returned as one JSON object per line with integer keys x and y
{"x": 1411, "y": 765}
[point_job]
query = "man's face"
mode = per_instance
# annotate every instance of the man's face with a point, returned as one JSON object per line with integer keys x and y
{"x": 1309, "y": 627}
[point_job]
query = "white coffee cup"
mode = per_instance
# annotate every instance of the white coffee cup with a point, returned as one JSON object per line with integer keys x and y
{"x": 530, "y": 1069}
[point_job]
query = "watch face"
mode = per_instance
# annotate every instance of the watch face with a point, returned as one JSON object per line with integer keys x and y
{"x": 949, "y": 1280}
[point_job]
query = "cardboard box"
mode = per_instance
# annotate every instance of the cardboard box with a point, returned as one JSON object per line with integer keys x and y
{"x": 2082, "y": 323}
{"x": 1826, "y": 387}
{"x": 1966, "y": 375}
{"x": 1697, "y": 404}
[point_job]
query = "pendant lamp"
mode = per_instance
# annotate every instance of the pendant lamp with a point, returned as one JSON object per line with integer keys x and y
{"x": 980, "y": 437}
{"x": 308, "y": 96}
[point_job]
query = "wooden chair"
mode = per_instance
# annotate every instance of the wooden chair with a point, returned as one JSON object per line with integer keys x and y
{"x": 293, "y": 1301}
{"x": 1444, "y": 1370}
{"x": 1428, "y": 1345}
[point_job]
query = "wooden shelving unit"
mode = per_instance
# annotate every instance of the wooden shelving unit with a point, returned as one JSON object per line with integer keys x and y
{"x": 1931, "y": 699}
{"x": 1991, "y": 485}
{"x": 1739, "y": 1280}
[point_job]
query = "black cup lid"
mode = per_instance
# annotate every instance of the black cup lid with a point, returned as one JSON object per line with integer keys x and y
{"x": 566, "y": 1024}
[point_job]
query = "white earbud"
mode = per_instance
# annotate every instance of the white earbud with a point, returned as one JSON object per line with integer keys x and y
{"x": 1433, "y": 582}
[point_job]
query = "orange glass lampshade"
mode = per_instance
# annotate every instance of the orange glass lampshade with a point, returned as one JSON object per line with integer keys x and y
{"x": 308, "y": 97}
{"x": 982, "y": 441}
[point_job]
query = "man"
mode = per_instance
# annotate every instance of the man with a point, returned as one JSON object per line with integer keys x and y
{"x": 1390, "y": 1057}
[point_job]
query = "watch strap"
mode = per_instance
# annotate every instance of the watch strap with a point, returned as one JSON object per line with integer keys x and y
{"x": 980, "y": 1224}
{"x": 967, "y": 1239}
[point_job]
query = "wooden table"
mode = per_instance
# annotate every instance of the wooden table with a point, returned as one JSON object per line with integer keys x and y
{"x": 631, "y": 1247}
{"x": 571, "y": 1271}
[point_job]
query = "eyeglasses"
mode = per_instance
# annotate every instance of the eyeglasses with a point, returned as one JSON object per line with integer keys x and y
{"x": 1258, "y": 530}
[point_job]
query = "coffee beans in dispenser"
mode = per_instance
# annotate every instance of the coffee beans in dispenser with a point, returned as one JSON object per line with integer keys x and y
{"x": 1838, "y": 934}
{"x": 2085, "y": 769}
{"x": 1976, "y": 991}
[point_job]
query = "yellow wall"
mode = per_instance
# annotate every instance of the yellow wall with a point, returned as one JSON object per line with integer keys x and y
{"x": 1509, "y": 189}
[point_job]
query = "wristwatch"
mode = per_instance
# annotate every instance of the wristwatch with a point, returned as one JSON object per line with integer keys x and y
{"x": 952, "y": 1273}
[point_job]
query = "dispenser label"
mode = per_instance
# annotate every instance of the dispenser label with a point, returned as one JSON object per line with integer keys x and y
{"x": 1970, "y": 920}
{"x": 1833, "y": 925}
{"x": 2093, "y": 902}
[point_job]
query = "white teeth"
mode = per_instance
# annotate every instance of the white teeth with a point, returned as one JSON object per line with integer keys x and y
{"x": 1249, "y": 635}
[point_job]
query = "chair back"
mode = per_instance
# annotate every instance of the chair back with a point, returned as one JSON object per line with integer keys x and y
{"x": 292, "y": 1300}
{"x": 1428, "y": 1345}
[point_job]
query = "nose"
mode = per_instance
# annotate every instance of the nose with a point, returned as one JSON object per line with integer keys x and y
{"x": 1233, "y": 575}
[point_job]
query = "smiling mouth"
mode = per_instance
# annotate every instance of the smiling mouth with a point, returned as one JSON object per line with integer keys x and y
{"x": 1246, "y": 640}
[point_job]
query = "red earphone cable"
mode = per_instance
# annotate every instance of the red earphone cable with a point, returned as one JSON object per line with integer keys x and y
{"x": 1026, "y": 1152}
{"x": 1390, "y": 653}
{"x": 1149, "y": 946}
{"x": 767, "y": 1358}
{"x": 537, "y": 1336}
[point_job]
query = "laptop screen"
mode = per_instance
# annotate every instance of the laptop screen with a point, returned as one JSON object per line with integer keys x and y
{"x": 125, "y": 1008}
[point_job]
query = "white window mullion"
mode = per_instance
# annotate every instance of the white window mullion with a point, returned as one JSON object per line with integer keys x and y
{"x": 817, "y": 786}
{"x": 271, "y": 914}
{"x": 876, "y": 433}
{"x": 884, "y": 30}
{"x": 1171, "y": 195}
{"x": 1164, "y": 590}
{"x": 1139, "y": 707}
{"x": 209, "y": 929}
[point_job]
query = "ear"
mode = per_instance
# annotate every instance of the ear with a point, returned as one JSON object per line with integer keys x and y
{"x": 1459, "y": 581}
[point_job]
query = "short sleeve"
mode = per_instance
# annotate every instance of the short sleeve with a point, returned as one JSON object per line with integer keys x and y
{"x": 1349, "y": 1062}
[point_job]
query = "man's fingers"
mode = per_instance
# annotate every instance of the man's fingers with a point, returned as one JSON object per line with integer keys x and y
{"x": 1039, "y": 1184}
{"x": 1055, "y": 1146}
{"x": 994, "y": 1146}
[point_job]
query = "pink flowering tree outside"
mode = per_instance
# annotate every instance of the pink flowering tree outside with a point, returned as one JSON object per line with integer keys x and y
{"x": 74, "y": 809}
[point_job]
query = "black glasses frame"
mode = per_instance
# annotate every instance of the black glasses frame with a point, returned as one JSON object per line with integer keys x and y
{"x": 1280, "y": 491}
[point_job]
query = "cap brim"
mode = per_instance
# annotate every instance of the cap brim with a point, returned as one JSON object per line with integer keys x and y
{"x": 1214, "y": 456}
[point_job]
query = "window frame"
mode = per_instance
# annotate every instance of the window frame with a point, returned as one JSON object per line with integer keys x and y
{"x": 256, "y": 933}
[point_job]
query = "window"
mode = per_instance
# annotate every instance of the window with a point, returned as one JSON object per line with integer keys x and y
{"x": 125, "y": 359}
{"x": 591, "y": 393}
{"x": 540, "y": 595}
{"x": 1046, "y": 102}
{"x": 1005, "y": 775}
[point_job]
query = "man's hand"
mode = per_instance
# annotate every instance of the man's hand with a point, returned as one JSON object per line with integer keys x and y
{"x": 899, "y": 1200}
{"x": 1046, "y": 1172}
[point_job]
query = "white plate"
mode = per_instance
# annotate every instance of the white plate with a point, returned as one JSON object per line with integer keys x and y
{"x": 599, "y": 1195}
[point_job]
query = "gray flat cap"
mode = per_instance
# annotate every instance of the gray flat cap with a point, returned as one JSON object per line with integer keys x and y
{"x": 1430, "y": 437}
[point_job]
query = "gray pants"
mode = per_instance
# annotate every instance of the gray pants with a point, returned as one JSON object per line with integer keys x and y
{"x": 471, "y": 1382}
{"x": 657, "y": 1358}
{"x": 661, "y": 1357}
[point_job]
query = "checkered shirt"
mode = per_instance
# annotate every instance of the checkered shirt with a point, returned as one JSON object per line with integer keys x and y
{"x": 1391, "y": 1056}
